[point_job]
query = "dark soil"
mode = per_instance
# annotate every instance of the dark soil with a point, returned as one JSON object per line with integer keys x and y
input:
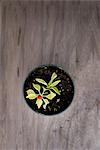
{"x": 60, "y": 102}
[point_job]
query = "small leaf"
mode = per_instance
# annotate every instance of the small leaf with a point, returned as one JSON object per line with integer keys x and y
{"x": 41, "y": 81}
{"x": 39, "y": 102}
{"x": 56, "y": 90}
{"x": 51, "y": 95}
{"x": 54, "y": 75}
{"x": 37, "y": 87}
{"x": 47, "y": 92}
{"x": 55, "y": 83}
{"x": 30, "y": 91}
{"x": 45, "y": 103}
{"x": 31, "y": 96}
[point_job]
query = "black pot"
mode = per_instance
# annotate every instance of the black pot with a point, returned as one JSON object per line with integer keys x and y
{"x": 48, "y": 90}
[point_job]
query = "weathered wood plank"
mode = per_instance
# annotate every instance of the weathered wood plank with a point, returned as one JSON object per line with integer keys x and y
{"x": 66, "y": 34}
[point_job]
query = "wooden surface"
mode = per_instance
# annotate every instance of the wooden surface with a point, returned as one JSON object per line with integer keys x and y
{"x": 63, "y": 33}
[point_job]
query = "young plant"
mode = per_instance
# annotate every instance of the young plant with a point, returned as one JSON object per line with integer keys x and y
{"x": 52, "y": 83}
{"x": 44, "y": 97}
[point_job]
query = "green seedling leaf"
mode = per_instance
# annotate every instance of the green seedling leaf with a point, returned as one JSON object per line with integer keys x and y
{"x": 37, "y": 87}
{"x": 30, "y": 91}
{"x": 45, "y": 93}
{"x": 51, "y": 95}
{"x": 41, "y": 81}
{"x": 55, "y": 83}
{"x": 56, "y": 90}
{"x": 54, "y": 75}
{"x": 31, "y": 96}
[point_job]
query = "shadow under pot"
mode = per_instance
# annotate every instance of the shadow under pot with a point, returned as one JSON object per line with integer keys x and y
{"x": 48, "y": 90}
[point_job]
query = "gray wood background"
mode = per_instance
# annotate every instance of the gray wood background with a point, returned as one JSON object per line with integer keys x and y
{"x": 63, "y": 33}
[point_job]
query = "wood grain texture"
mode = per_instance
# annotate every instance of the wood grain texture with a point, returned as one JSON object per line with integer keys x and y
{"x": 66, "y": 34}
